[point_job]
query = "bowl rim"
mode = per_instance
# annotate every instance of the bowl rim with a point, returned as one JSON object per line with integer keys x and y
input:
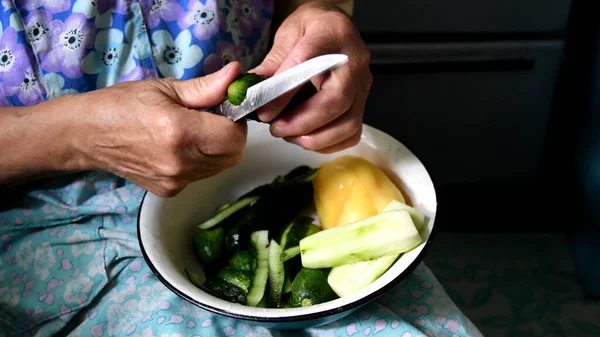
{"x": 309, "y": 316}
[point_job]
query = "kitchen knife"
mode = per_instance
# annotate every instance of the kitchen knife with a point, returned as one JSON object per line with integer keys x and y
{"x": 269, "y": 89}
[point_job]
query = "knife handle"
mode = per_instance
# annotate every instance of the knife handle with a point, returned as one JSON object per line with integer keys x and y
{"x": 304, "y": 93}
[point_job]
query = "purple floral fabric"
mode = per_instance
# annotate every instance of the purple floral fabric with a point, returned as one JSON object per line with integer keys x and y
{"x": 94, "y": 44}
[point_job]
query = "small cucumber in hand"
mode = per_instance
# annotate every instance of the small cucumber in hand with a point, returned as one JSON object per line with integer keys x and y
{"x": 236, "y": 92}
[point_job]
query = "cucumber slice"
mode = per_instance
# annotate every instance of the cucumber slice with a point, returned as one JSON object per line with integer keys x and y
{"x": 226, "y": 212}
{"x": 276, "y": 273}
{"x": 259, "y": 241}
{"x": 347, "y": 279}
{"x": 391, "y": 232}
{"x": 290, "y": 253}
{"x": 416, "y": 216}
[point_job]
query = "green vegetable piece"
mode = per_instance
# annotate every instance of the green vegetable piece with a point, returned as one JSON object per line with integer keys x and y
{"x": 259, "y": 241}
{"x": 209, "y": 245}
{"x": 222, "y": 208}
{"x": 290, "y": 253}
{"x": 194, "y": 278}
{"x": 215, "y": 286}
{"x": 297, "y": 230}
{"x": 310, "y": 287}
{"x": 276, "y": 273}
{"x": 386, "y": 233}
{"x": 347, "y": 279}
{"x": 236, "y": 92}
{"x": 417, "y": 217}
{"x": 287, "y": 284}
{"x": 301, "y": 173}
{"x": 243, "y": 260}
{"x": 226, "y": 212}
{"x": 239, "y": 278}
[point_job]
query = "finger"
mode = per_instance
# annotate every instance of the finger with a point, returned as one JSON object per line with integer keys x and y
{"x": 333, "y": 133}
{"x": 207, "y": 90}
{"x": 284, "y": 41}
{"x": 335, "y": 98}
{"x": 304, "y": 50}
{"x": 210, "y": 135}
{"x": 346, "y": 144}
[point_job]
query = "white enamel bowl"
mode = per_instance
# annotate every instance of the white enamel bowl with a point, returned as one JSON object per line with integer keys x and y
{"x": 166, "y": 226}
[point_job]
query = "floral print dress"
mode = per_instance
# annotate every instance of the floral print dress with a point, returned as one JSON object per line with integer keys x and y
{"x": 70, "y": 263}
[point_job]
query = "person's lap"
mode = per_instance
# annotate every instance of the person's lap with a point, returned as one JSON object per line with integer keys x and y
{"x": 87, "y": 278}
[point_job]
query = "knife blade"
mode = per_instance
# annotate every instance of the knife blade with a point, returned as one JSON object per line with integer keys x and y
{"x": 269, "y": 89}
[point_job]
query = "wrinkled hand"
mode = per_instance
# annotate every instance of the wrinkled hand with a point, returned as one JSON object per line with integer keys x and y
{"x": 331, "y": 120}
{"x": 146, "y": 131}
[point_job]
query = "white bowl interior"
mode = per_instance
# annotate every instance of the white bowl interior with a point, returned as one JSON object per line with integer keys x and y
{"x": 167, "y": 225}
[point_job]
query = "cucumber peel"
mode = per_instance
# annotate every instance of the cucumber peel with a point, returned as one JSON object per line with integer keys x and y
{"x": 276, "y": 273}
{"x": 259, "y": 241}
{"x": 227, "y": 211}
{"x": 290, "y": 253}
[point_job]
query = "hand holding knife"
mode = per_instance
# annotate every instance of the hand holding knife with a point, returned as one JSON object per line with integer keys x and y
{"x": 269, "y": 89}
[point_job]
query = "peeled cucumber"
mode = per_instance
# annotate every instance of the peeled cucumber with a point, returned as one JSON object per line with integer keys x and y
{"x": 386, "y": 233}
{"x": 347, "y": 279}
{"x": 417, "y": 218}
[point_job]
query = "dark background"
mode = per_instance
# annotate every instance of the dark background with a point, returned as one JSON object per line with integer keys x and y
{"x": 491, "y": 96}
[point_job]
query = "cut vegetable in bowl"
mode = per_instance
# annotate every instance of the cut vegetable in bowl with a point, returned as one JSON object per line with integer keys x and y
{"x": 262, "y": 250}
{"x": 387, "y": 233}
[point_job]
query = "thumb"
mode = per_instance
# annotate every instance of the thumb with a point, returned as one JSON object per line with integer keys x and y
{"x": 205, "y": 91}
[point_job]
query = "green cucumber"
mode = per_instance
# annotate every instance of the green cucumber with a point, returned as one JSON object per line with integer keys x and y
{"x": 236, "y": 92}
{"x": 387, "y": 233}
{"x": 208, "y": 244}
{"x": 276, "y": 273}
{"x": 224, "y": 212}
{"x": 259, "y": 241}
{"x": 347, "y": 279}
{"x": 416, "y": 216}
{"x": 243, "y": 260}
{"x": 239, "y": 278}
{"x": 310, "y": 287}
{"x": 217, "y": 287}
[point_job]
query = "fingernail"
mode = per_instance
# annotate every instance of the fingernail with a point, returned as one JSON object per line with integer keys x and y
{"x": 267, "y": 112}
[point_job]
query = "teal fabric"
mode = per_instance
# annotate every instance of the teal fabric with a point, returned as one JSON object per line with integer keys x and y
{"x": 70, "y": 262}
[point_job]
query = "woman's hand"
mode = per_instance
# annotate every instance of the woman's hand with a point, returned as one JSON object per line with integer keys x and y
{"x": 145, "y": 131}
{"x": 149, "y": 133}
{"x": 331, "y": 120}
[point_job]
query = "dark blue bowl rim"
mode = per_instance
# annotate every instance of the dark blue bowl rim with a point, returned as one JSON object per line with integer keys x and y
{"x": 299, "y": 318}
